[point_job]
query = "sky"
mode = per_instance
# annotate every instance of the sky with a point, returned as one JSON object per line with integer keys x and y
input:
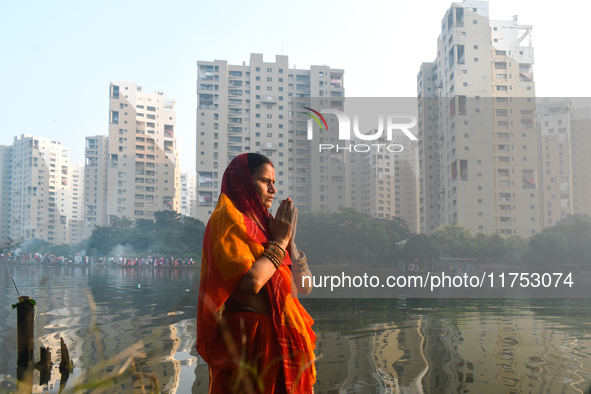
{"x": 57, "y": 58}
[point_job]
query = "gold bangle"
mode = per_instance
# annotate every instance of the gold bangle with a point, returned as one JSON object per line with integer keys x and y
{"x": 302, "y": 257}
{"x": 301, "y": 270}
{"x": 301, "y": 262}
{"x": 276, "y": 251}
{"x": 272, "y": 258}
{"x": 274, "y": 255}
{"x": 276, "y": 244}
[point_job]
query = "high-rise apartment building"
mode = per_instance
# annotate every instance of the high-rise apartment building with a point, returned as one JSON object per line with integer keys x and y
{"x": 252, "y": 108}
{"x": 74, "y": 202}
{"x": 564, "y": 146}
{"x": 383, "y": 184}
{"x": 478, "y": 145}
{"x": 580, "y": 127}
{"x": 555, "y": 160}
{"x": 40, "y": 192}
{"x": 188, "y": 194}
{"x": 95, "y": 177}
{"x": 135, "y": 171}
{"x": 5, "y": 188}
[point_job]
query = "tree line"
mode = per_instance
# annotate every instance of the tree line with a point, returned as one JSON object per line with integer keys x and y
{"x": 348, "y": 237}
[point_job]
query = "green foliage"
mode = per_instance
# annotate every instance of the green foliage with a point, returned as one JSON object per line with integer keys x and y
{"x": 61, "y": 250}
{"x": 456, "y": 240}
{"x": 345, "y": 237}
{"x": 567, "y": 242}
{"x": 490, "y": 247}
{"x": 515, "y": 248}
{"x": 169, "y": 234}
{"x": 420, "y": 248}
{"x": 350, "y": 237}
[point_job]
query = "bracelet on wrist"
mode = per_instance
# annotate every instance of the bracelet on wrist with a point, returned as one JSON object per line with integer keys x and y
{"x": 301, "y": 270}
{"x": 302, "y": 257}
{"x": 276, "y": 244}
{"x": 274, "y": 253}
{"x": 301, "y": 264}
{"x": 301, "y": 261}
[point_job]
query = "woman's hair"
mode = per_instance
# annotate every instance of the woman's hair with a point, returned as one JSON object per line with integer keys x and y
{"x": 256, "y": 160}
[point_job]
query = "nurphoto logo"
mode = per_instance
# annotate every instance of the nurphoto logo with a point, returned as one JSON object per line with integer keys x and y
{"x": 392, "y": 123}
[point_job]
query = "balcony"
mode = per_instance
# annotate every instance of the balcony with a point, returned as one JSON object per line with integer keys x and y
{"x": 269, "y": 146}
{"x": 269, "y": 99}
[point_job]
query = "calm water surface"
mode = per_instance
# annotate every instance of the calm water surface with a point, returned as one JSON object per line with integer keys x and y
{"x": 364, "y": 345}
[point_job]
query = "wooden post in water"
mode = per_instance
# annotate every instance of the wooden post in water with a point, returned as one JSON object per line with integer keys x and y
{"x": 66, "y": 365}
{"x": 44, "y": 366}
{"x": 25, "y": 319}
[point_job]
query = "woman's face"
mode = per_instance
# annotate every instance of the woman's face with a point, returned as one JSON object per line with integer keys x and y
{"x": 264, "y": 184}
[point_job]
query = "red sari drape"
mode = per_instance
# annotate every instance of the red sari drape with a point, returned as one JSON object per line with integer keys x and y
{"x": 246, "y": 351}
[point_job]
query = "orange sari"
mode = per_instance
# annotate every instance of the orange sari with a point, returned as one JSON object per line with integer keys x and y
{"x": 246, "y": 351}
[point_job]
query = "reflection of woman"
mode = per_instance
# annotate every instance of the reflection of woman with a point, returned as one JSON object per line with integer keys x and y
{"x": 251, "y": 328}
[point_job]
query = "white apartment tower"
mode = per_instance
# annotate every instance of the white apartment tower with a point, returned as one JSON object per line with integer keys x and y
{"x": 75, "y": 204}
{"x": 40, "y": 195}
{"x": 5, "y": 201}
{"x": 478, "y": 145}
{"x": 565, "y": 135}
{"x": 188, "y": 194}
{"x": 135, "y": 171}
{"x": 555, "y": 153}
{"x": 580, "y": 127}
{"x": 95, "y": 182}
{"x": 250, "y": 108}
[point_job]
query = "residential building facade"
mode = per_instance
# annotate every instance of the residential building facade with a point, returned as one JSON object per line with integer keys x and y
{"x": 252, "y": 108}
{"x": 135, "y": 171}
{"x": 40, "y": 192}
{"x": 478, "y": 144}
{"x": 188, "y": 194}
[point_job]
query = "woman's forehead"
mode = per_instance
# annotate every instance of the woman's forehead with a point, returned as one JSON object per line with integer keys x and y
{"x": 266, "y": 171}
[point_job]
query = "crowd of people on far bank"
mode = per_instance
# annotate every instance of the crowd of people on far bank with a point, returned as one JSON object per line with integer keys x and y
{"x": 49, "y": 258}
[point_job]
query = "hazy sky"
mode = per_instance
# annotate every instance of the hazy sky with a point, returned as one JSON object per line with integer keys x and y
{"x": 58, "y": 57}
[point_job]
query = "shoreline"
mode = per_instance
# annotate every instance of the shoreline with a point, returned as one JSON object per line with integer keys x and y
{"x": 97, "y": 265}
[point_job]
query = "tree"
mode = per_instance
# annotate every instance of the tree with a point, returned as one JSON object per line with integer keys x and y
{"x": 515, "y": 248}
{"x": 163, "y": 219}
{"x": 548, "y": 247}
{"x": 490, "y": 247}
{"x": 455, "y": 239}
{"x": 420, "y": 248}
{"x": 569, "y": 219}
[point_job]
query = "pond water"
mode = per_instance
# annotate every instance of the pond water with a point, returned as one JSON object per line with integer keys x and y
{"x": 363, "y": 346}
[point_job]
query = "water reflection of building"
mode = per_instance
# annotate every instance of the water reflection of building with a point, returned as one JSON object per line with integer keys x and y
{"x": 123, "y": 316}
{"x": 478, "y": 353}
{"x": 385, "y": 358}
